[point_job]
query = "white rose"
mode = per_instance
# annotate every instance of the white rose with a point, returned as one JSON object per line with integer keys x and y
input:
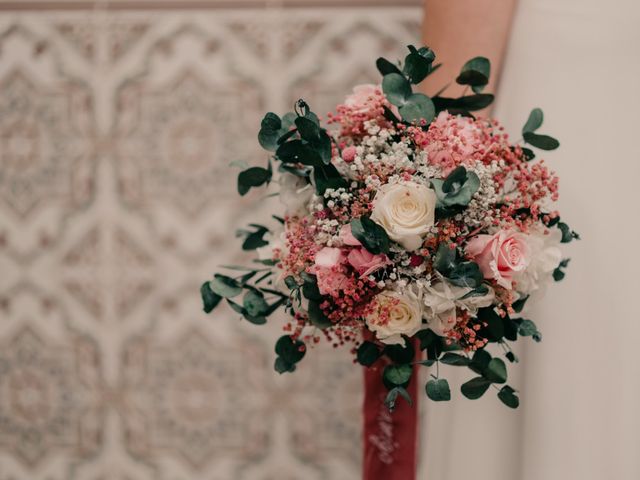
{"x": 406, "y": 211}
{"x": 295, "y": 194}
{"x": 441, "y": 300}
{"x": 545, "y": 258}
{"x": 405, "y": 316}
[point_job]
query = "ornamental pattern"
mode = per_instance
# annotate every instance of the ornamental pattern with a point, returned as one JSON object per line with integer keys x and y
{"x": 117, "y": 129}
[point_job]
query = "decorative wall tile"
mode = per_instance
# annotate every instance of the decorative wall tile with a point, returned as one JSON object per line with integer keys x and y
{"x": 117, "y": 128}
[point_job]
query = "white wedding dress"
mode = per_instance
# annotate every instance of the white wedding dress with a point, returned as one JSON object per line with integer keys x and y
{"x": 579, "y": 418}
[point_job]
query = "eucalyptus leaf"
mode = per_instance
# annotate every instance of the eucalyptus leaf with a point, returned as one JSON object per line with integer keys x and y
{"x": 225, "y": 286}
{"x": 385, "y": 67}
{"x": 543, "y": 142}
{"x": 254, "y": 303}
{"x": 455, "y": 359}
{"x": 372, "y": 236}
{"x": 508, "y": 397}
{"x": 534, "y": 121}
{"x": 466, "y": 274}
{"x": 291, "y": 351}
{"x": 396, "y": 88}
{"x": 308, "y": 129}
{"x": 417, "y": 107}
{"x": 475, "y": 388}
{"x": 438, "y": 390}
{"x": 210, "y": 300}
{"x": 496, "y": 371}
{"x": 367, "y": 353}
{"x": 317, "y": 316}
{"x": 397, "y": 375}
{"x": 475, "y": 73}
{"x": 252, "y": 177}
{"x": 445, "y": 258}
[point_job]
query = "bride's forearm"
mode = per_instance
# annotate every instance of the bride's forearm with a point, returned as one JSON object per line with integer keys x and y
{"x": 458, "y": 30}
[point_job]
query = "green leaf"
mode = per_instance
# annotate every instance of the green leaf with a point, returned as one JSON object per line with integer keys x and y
{"x": 255, "y": 239}
{"x": 400, "y": 353}
{"x": 252, "y": 177}
{"x": 291, "y": 351}
{"x": 466, "y": 274}
{"x": 396, "y": 88}
{"x": 518, "y": 305}
{"x": 528, "y": 154}
{"x": 310, "y": 290}
{"x": 257, "y": 320}
{"x": 480, "y": 361}
{"x": 508, "y": 397}
{"x": 445, "y": 258}
{"x": 475, "y": 73}
{"x": 475, "y": 388}
{"x": 418, "y": 107}
{"x": 438, "y": 390}
{"x": 327, "y": 176}
{"x": 290, "y": 282}
{"x": 512, "y": 357}
{"x": 431, "y": 342}
{"x": 368, "y": 353}
{"x": 527, "y": 328}
{"x": 392, "y": 396}
{"x": 254, "y": 303}
{"x": 323, "y": 146}
{"x": 317, "y": 316}
{"x": 455, "y": 359}
{"x": 282, "y": 366}
{"x": 372, "y": 236}
{"x": 236, "y": 308}
{"x": 385, "y": 67}
{"x": 225, "y": 286}
{"x": 210, "y": 300}
{"x": 463, "y": 105}
{"x": 269, "y": 128}
{"x": 534, "y": 121}
{"x": 308, "y": 129}
{"x": 494, "y": 331}
{"x": 457, "y": 189}
{"x": 397, "y": 375}
{"x": 295, "y": 151}
{"x": 496, "y": 371}
{"x": 417, "y": 65}
{"x": 543, "y": 142}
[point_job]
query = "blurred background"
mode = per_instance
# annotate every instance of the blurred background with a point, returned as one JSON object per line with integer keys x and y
{"x": 118, "y": 122}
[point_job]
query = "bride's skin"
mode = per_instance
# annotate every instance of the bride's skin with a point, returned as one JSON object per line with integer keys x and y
{"x": 458, "y": 30}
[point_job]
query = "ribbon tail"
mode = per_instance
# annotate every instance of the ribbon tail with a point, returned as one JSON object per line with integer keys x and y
{"x": 389, "y": 438}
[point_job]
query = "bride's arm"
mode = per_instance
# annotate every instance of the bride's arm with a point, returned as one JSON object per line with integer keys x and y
{"x": 458, "y": 30}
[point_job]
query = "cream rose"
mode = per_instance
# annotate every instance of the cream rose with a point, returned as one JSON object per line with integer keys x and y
{"x": 406, "y": 211}
{"x": 545, "y": 258}
{"x": 441, "y": 300}
{"x": 404, "y": 316}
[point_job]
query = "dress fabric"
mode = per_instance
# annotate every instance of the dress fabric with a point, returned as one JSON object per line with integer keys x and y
{"x": 579, "y": 418}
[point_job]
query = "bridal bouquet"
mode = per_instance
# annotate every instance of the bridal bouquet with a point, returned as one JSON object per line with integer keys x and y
{"x": 409, "y": 225}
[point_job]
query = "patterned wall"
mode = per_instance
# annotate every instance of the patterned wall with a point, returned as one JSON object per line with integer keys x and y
{"x": 116, "y": 200}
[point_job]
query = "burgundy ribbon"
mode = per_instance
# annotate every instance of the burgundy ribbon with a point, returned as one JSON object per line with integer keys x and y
{"x": 390, "y": 438}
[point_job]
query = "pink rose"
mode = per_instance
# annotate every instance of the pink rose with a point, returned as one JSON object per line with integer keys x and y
{"x": 500, "y": 256}
{"x": 329, "y": 271}
{"x": 346, "y": 235}
{"x": 349, "y": 153}
{"x": 331, "y": 281}
{"x": 366, "y": 262}
{"x": 329, "y": 257}
{"x": 360, "y": 99}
